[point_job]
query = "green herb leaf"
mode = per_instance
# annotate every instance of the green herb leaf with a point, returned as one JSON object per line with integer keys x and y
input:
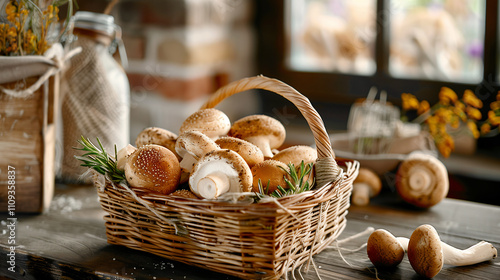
{"x": 99, "y": 160}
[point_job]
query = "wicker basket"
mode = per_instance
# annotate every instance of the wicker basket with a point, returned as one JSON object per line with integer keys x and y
{"x": 250, "y": 241}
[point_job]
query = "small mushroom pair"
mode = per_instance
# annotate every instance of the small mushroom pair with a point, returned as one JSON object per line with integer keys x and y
{"x": 426, "y": 252}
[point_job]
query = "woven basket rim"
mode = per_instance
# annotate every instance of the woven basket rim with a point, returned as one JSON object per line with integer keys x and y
{"x": 291, "y": 202}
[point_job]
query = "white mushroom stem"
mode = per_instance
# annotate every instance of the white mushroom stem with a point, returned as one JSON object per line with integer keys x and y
{"x": 213, "y": 185}
{"x": 480, "y": 252}
{"x": 361, "y": 194}
{"x": 263, "y": 145}
{"x": 404, "y": 242}
{"x": 188, "y": 161}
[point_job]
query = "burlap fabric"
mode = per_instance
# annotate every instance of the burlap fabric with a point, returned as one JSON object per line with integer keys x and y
{"x": 91, "y": 107}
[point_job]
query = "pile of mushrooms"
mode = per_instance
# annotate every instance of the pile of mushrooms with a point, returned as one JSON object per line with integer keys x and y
{"x": 426, "y": 252}
{"x": 213, "y": 156}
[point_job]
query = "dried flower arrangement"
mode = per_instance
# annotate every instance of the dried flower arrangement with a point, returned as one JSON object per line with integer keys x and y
{"x": 28, "y": 25}
{"x": 447, "y": 115}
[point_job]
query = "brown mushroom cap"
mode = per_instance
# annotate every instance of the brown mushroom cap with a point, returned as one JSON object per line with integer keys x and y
{"x": 297, "y": 154}
{"x": 263, "y": 131}
{"x": 191, "y": 145}
{"x": 425, "y": 252}
{"x": 384, "y": 250}
{"x": 211, "y": 122}
{"x": 184, "y": 193}
{"x": 272, "y": 172}
{"x": 218, "y": 172}
{"x": 365, "y": 186}
{"x": 422, "y": 180}
{"x": 158, "y": 136}
{"x": 248, "y": 151}
{"x": 153, "y": 167}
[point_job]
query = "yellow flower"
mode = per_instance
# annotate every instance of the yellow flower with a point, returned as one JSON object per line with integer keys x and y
{"x": 423, "y": 107}
{"x": 444, "y": 114}
{"x": 471, "y": 99}
{"x": 432, "y": 123}
{"x": 494, "y": 118}
{"x": 495, "y": 105}
{"x": 473, "y": 113}
{"x": 409, "y": 101}
{"x": 12, "y": 32}
{"x": 447, "y": 95}
{"x": 473, "y": 128}
{"x": 445, "y": 145}
{"x": 459, "y": 110}
{"x": 485, "y": 128}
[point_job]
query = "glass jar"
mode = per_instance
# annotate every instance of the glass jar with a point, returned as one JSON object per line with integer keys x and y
{"x": 96, "y": 91}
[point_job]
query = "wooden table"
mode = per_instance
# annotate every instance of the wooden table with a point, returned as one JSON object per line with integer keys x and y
{"x": 69, "y": 242}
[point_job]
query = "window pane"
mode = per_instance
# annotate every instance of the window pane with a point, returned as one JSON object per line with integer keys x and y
{"x": 332, "y": 35}
{"x": 437, "y": 39}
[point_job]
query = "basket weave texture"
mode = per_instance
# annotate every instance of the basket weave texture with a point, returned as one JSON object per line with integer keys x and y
{"x": 249, "y": 240}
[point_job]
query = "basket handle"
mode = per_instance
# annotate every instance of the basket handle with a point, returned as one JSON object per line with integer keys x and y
{"x": 327, "y": 169}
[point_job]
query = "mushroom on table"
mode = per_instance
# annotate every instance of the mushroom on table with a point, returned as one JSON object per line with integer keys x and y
{"x": 427, "y": 253}
{"x": 422, "y": 180}
{"x": 365, "y": 186}
{"x": 384, "y": 249}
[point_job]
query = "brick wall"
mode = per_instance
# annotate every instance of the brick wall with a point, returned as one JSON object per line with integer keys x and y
{"x": 179, "y": 52}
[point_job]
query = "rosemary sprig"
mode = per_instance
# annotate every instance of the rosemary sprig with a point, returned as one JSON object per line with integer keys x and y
{"x": 296, "y": 185}
{"x": 98, "y": 159}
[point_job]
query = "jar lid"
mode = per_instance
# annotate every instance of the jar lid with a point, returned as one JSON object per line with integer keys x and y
{"x": 95, "y": 21}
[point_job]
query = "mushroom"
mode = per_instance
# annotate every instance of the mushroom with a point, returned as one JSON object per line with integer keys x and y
{"x": 365, "y": 186}
{"x": 272, "y": 173}
{"x": 184, "y": 193}
{"x": 122, "y": 156}
{"x": 158, "y": 136}
{"x": 248, "y": 151}
{"x": 384, "y": 249}
{"x": 153, "y": 167}
{"x": 427, "y": 253}
{"x": 297, "y": 154}
{"x": 211, "y": 122}
{"x": 422, "y": 180}
{"x": 192, "y": 145}
{"x": 219, "y": 172}
{"x": 265, "y": 132}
